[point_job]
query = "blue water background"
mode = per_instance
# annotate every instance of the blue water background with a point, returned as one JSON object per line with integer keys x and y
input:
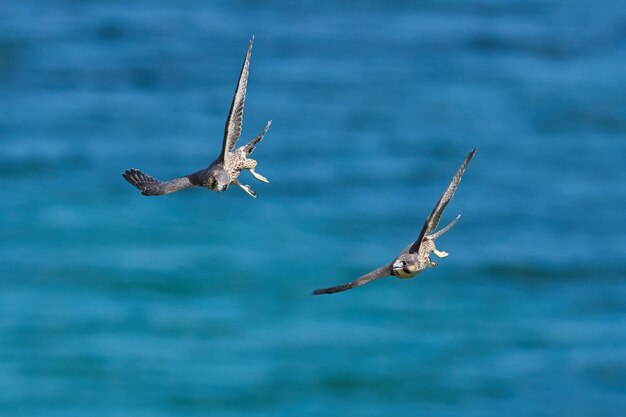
{"x": 196, "y": 304}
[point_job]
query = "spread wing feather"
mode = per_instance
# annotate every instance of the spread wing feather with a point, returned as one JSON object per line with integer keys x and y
{"x": 150, "y": 186}
{"x": 383, "y": 271}
{"x": 234, "y": 122}
{"x": 433, "y": 220}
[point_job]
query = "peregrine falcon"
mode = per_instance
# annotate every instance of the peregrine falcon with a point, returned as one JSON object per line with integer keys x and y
{"x": 226, "y": 168}
{"x": 416, "y": 256}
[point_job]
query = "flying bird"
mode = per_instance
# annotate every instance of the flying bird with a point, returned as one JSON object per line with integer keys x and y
{"x": 226, "y": 168}
{"x": 415, "y": 258}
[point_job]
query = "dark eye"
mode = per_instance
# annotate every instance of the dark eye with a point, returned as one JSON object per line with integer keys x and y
{"x": 403, "y": 263}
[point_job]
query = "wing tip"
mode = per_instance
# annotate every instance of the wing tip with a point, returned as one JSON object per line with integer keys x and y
{"x": 322, "y": 291}
{"x": 140, "y": 180}
{"x": 128, "y": 175}
{"x": 333, "y": 290}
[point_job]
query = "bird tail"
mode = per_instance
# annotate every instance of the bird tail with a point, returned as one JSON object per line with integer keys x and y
{"x": 249, "y": 148}
{"x": 438, "y": 234}
{"x": 144, "y": 182}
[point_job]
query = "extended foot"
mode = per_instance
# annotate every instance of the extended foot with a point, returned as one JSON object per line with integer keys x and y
{"x": 247, "y": 189}
{"x": 440, "y": 253}
{"x": 432, "y": 264}
{"x": 259, "y": 176}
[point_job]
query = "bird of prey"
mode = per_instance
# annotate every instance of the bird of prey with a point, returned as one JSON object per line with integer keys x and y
{"x": 226, "y": 168}
{"x": 416, "y": 256}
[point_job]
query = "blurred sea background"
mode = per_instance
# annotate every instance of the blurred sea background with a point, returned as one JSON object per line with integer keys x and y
{"x": 196, "y": 303}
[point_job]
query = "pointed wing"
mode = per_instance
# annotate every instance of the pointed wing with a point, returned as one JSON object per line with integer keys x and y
{"x": 433, "y": 220}
{"x": 232, "y": 130}
{"x": 150, "y": 186}
{"x": 383, "y": 271}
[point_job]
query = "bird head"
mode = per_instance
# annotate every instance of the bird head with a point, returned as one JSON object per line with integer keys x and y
{"x": 219, "y": 180}
{"x": 404, "y": 266}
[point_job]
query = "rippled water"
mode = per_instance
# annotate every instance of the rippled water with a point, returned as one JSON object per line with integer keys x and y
{"x": 198, "y": 304}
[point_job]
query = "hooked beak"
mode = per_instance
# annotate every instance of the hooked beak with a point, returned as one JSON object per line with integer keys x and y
{"x": 218, "y": 188}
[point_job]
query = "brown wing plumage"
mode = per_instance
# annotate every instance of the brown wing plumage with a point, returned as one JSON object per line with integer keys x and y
{"x": 151, "y": 186}
{"x": 232, "y": 130}
{"x": 433, "y": 220}
{"x": 383, "y": 271}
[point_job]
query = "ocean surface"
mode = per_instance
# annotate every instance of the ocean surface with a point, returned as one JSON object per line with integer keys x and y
{"x": 198, "y": 304}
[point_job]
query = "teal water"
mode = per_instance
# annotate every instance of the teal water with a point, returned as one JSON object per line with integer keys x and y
{"x": 113, "y": 304}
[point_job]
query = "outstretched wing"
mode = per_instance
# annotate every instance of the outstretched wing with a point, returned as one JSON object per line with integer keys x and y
{"x": 232, "y": 130}
{"x": 433, "y": 220}
{"x": 383, "y": 271}
{"x": 151, "y": 186}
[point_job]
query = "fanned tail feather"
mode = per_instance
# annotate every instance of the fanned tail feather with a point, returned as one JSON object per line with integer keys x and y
{"x": 249, "y": 148}
{"x": 435, "y": 236}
